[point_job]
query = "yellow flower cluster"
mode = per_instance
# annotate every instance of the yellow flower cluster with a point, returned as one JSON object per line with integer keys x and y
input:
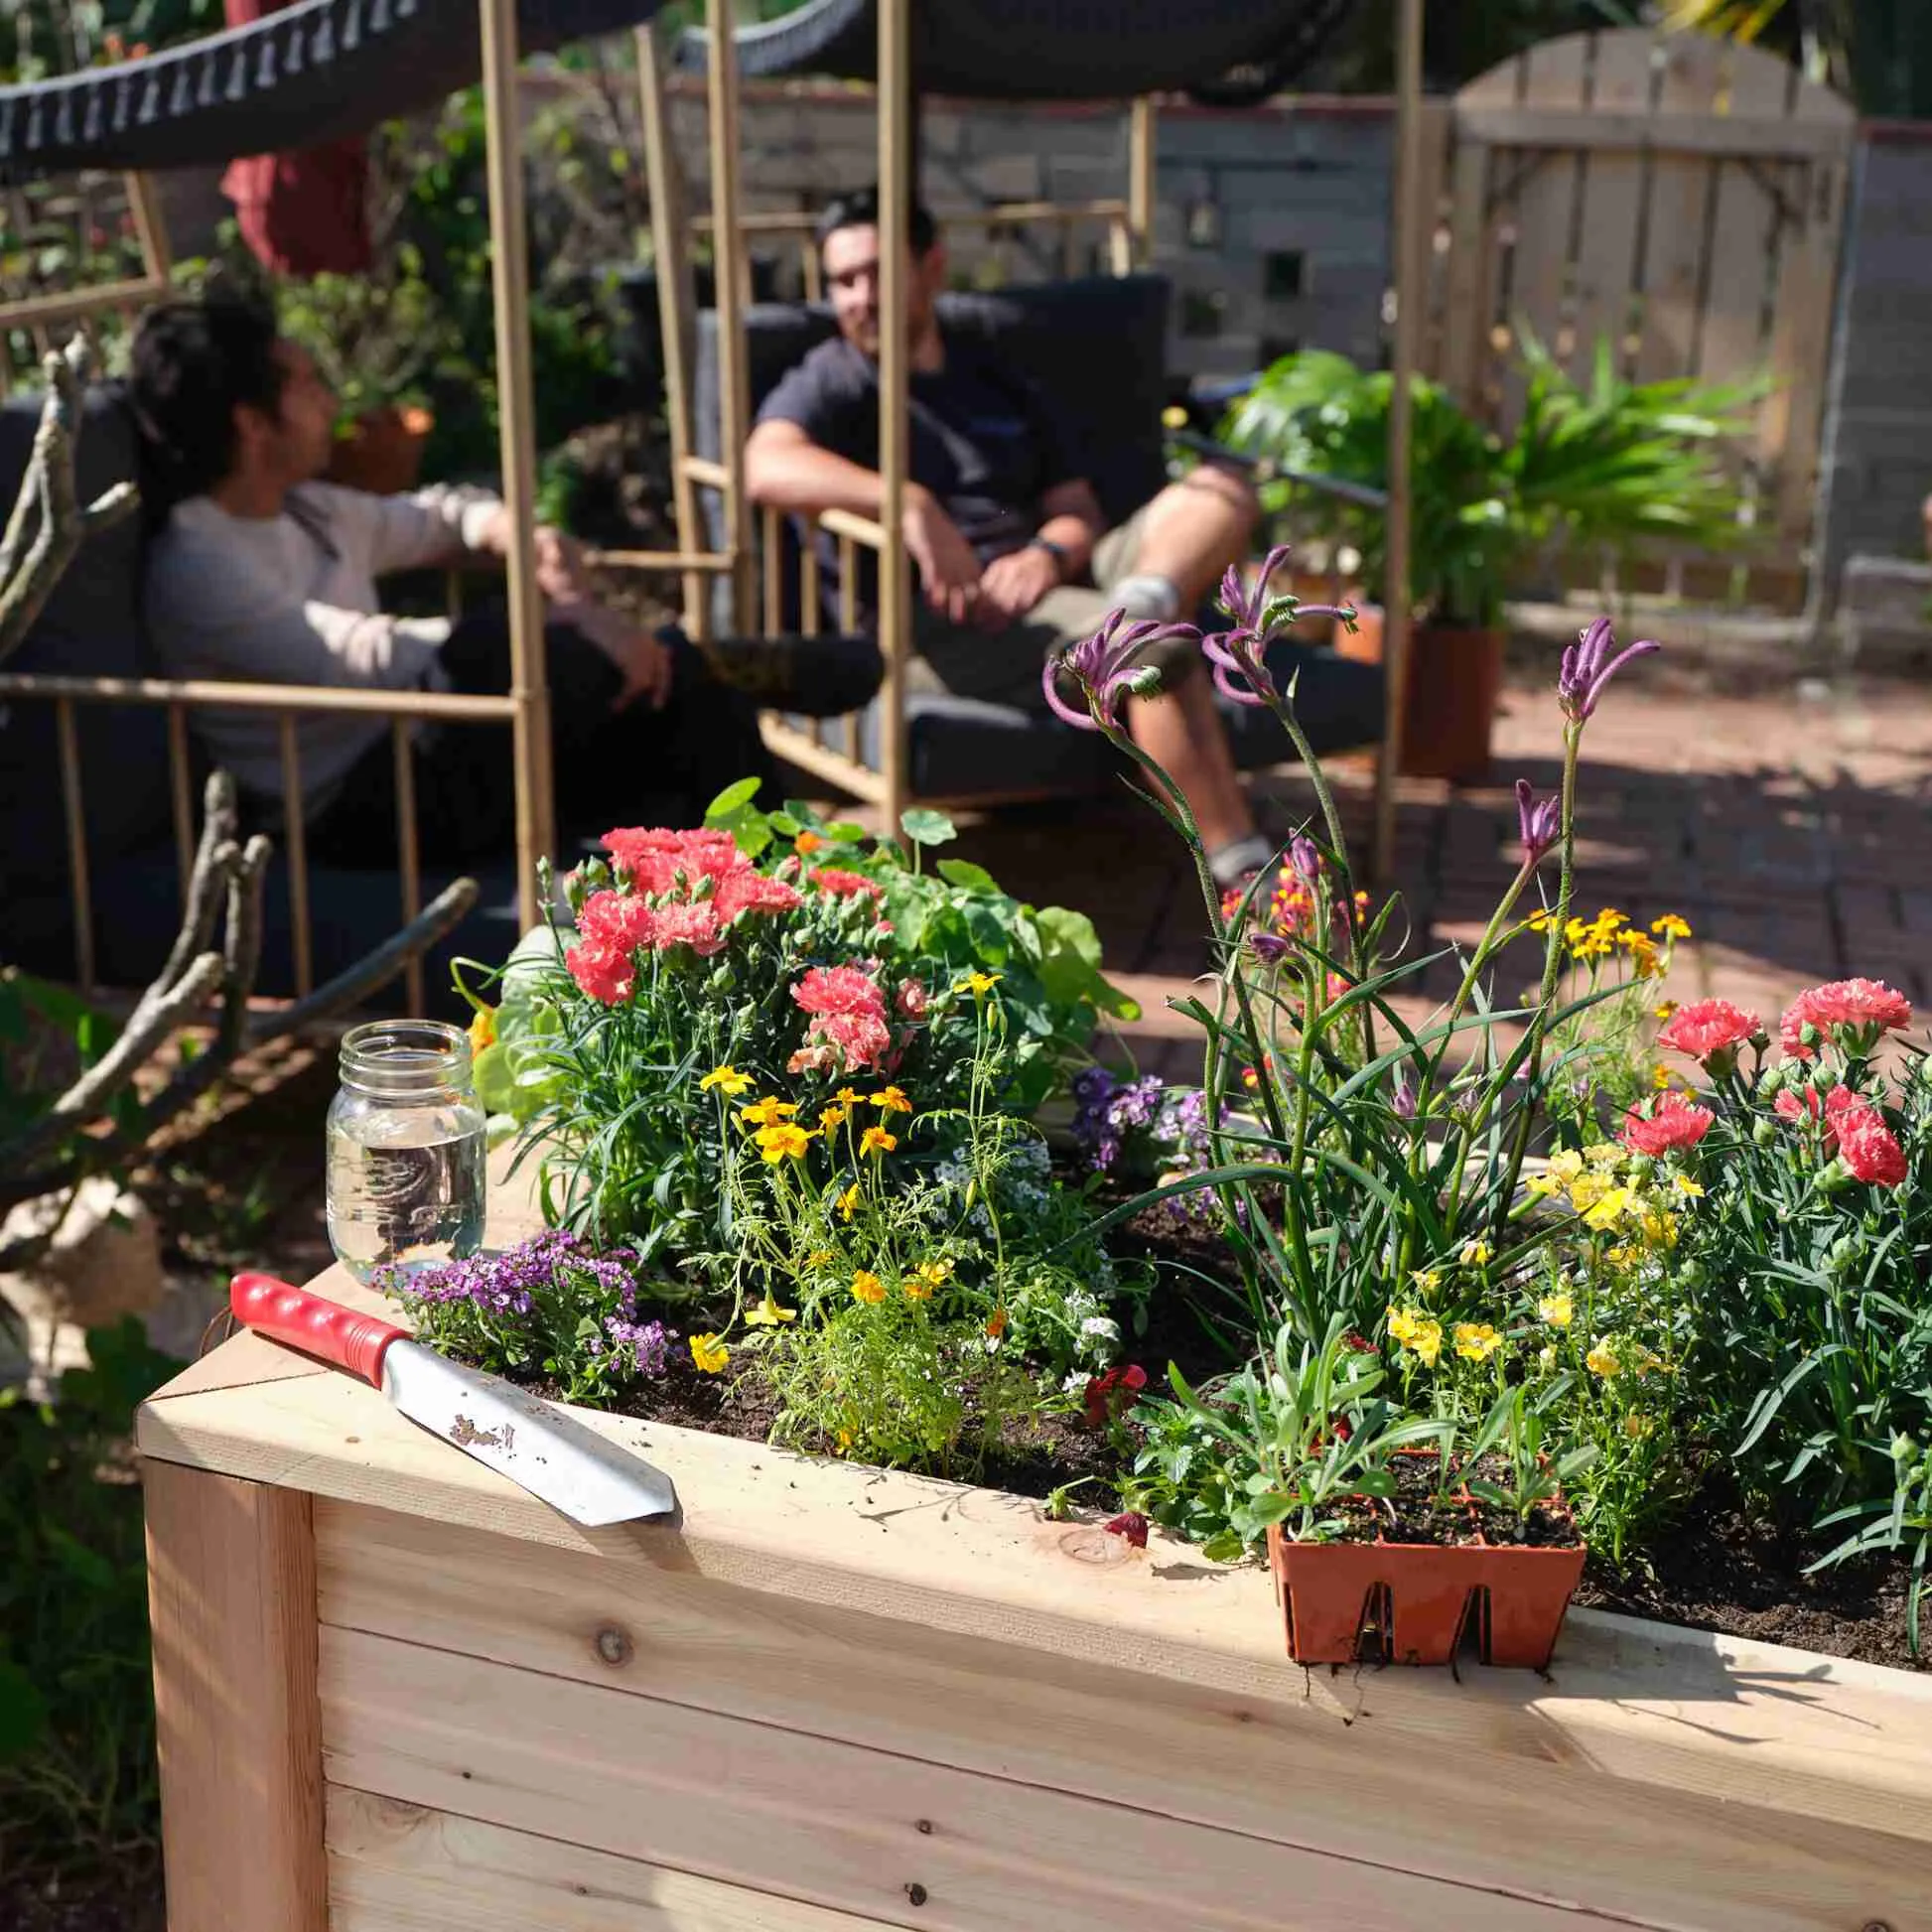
{"x": 772, "y": 1124}
{"x": 1609, "y": 1205}
{"x": 1612, "y": 930}
{"x": 916, "y": 1284}
{"x": 1419, "y": 1334}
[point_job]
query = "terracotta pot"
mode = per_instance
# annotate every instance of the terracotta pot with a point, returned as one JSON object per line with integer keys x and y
{"x": 1456, "y": 676}
{"x": 383, "y": 452}
{"x": 1422, "y": 1595}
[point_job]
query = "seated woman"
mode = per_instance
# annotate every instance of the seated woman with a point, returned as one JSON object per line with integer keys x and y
{"x": 258, "y": 571}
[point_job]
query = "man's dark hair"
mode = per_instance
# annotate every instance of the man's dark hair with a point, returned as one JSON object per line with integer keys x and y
{"x": 860, "y": 210}
{"x": 192, "y": 363}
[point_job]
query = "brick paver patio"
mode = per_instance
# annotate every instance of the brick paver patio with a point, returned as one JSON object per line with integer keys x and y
{"x": 1790, "y": 829}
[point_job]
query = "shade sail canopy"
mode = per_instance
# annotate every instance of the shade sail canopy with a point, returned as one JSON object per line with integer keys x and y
{"x": 1050, "y": 50}
{"x": 320, "y": 71}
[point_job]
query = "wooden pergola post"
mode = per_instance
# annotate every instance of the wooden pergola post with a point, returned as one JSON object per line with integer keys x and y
{"x": 895, "y": 260}
{"x": 1140, "y": 181}
{"x": 730, "y": 275}
{"x": 536, "y": 832}
{"x": 1397, "y": 607}
{"x": 676, "y": 304}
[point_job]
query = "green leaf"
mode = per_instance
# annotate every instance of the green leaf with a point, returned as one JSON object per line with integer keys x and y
{"x": 925, "y": 827}
{"x": 732, "y": 800}
{"x": 22, "y": 1711}
{"x": 496, "y": 1087}
{"x": 966, "y": 876}
{"x": 842, "y": 831}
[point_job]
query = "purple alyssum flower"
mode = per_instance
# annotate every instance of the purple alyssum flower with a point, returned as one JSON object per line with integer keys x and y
{"x": 1539, "y": 821}
{"x": 1588, "y": 667}
{"x": 1108, "y": 670}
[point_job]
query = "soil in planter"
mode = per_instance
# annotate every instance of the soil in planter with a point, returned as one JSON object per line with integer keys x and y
{"x": 1414, "y": 1514}
{"x": 1547, "y": 1527}
{"x": 1716, "y": 1570}
{"x": 124, "y": 1896}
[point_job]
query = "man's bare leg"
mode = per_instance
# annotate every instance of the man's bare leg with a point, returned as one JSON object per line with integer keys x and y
{"x": 1190, "y": 533}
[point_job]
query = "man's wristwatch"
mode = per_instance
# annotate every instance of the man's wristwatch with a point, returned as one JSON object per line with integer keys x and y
{"x": 1054, "y": 550}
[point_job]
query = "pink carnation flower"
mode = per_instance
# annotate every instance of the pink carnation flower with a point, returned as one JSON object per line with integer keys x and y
{"x": 911, "y": 1001}
{"x": 1852, "y": 1012}
{"x": 845, "y": 885}
{"x": 1707, "y": 1027}
{"x": 1676, "y": 1124}
{"x": 1869, "y": 1149}
{"x": 656, "y": 858}
{"x": 694, "y": 925}
{"x": 745, "y": 890}
{"x": 611, "y": 929}
{"x": 848, "y": 1012}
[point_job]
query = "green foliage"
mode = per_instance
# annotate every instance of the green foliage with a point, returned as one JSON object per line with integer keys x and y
{"x": 1595, "y": 469}
{"x": 76, "y": 1714}
{"x": 375, "y": 338}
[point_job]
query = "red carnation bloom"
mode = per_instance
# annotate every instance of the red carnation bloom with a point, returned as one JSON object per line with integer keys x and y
{"x": 611, "y": 929}
{"x": 1853, "y": 1012}
{"x": 1787, "y": 1106}
{"x": 1869, "y": 1149}
{"x": 694, "y": 925}
{"x": 1707, "y": 1027}
{"x": 1676, "y": 1124}
{"x": 745, "y": 890}
{"x": 655, "y": 858}
{"x": 1132, "y": 1525}
{"x": 845, "y": 885}
{"x": 848, "y": 1009}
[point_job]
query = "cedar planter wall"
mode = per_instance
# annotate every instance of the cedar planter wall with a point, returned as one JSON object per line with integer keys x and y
{"x": 396, "y": 1695}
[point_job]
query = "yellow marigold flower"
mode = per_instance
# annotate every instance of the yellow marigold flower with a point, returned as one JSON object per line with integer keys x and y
{"x": 1476, "y": 1252}
{"x": 935, "y": 1273}
{"x": 831, "y": 1117}
{"x": 769, "y": 1112}
{"x": 727, "y": 1078}
{"x": 977, "y": 984}
{"x": 1686, "y": 1186}
{"x": 1558, "y": 1310}
{"x": 1664, "y": 1009}
{"x": 874, "y": 1140}
{"x": 483, "y": 1029}
{"x": 769, "y": 1314}
{"x": 1603, "y": 1153}
{"x": 819, "y": 1257}
{"x": 1649, "y": 966}
{"x": 1421, "y": 1335}
{"x": 1477, "y": 1341}
{"x": 782, "y": 1143}
{"x": 1586, "y": 1190}
{"x": 1608, "y": 1211}
{"x": 1428, "y": 1279}
{"x": 848, "y": 1096}
{"x": 1609, "y": 920}
{"x": 866, "y": 1287}
{"x": 808, "y": 843}
{"x": 1575, "y": 932}
{"x": 1602, "y": 1360}
{"x": 1660, "y": 1076}
{"x": 1670, "y": 926}
{"x": 996, "y": 1324}
{"x": 891, "y": 1101}
{"x": 915, "y": 1290}
{"x": 1660, "y": 1228}
{"x": 845, "y": 1439}
{"x": 1540, "y": 921}
{"x": 849, "y": 1200}
{"x": 1565, "y": 1163}
{"x": 709, "y": 1353}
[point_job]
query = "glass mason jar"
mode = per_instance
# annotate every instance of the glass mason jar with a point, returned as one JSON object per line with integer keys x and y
{"x": 405, "y": 1148}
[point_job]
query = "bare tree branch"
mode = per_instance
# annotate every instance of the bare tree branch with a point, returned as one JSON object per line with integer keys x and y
{"x": 47, "y": 500}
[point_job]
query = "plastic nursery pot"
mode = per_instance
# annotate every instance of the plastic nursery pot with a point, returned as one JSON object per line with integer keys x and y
{"x": 383, "y": 452}
{"x": 1455, "y": 677}
{"x": 1413, "y": 1602}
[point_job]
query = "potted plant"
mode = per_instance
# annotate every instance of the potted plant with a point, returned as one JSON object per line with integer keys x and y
{"x": 1598, "y": 469}
{"x": 377, "y": 342}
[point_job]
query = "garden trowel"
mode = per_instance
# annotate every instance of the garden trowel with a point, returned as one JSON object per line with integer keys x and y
{"x": 534, "y": 1443}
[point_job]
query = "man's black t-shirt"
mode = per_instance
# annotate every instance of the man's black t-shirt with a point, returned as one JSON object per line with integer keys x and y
{"x": 985, "y": 440}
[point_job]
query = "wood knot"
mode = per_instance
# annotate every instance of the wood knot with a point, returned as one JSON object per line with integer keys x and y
{"x": 916, "y": 1892}
{"x": 614, "y": 1646}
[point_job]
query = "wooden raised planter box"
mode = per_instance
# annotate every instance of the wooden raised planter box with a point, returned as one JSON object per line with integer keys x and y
{"x": 396, "y": 1695}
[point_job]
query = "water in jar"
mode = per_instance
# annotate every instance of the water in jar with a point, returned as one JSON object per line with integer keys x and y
{"x": 405, "y": 1148}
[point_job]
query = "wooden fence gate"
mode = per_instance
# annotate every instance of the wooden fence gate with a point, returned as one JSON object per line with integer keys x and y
{"x": 1674, "y": 194}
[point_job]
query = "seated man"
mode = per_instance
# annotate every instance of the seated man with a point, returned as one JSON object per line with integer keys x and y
{"x": 1012, "y": 550}
{"x": 259, "y": 571}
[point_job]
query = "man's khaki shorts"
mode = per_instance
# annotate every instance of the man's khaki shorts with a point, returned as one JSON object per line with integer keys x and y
{"x": 1004, "y": 667}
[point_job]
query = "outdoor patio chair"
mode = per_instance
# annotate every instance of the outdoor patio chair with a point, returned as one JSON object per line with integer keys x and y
{"x": 1098, "y": 345}
{"x": 129, "y": 798}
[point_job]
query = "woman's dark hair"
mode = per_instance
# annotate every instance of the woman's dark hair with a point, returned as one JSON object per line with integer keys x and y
{"x": 192, "y": 363}
{"x": 860, "y": 210}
